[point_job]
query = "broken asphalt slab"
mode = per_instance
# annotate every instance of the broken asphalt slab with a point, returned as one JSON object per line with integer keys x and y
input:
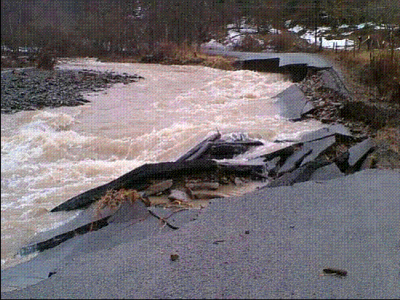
{"x": 131, "y": 222}
{"x": 292, "y": 103}
{"x": 285, "y": 59}
{"x": 271, "y": 243}
{"x": 296, "y": 164}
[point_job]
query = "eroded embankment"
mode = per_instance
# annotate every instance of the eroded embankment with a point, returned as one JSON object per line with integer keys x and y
{"x": 218, "y": 161}
{"x": 157, "y": 198}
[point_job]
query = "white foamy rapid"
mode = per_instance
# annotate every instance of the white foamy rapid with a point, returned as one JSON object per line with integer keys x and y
{"x": 51, "y": 155}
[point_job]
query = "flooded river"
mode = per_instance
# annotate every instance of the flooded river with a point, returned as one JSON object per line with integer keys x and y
{"x": 50, "y": 155}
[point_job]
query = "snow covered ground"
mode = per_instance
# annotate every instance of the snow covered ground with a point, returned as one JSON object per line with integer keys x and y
{"x": 319, "y": 34}
{"x": 236, "y": 35}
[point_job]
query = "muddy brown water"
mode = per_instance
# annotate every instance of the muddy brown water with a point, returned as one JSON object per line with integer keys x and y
{"x": 50, "y": 155}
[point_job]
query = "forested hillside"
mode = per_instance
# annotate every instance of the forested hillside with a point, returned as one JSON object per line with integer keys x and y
{"x": 133, "y": 26}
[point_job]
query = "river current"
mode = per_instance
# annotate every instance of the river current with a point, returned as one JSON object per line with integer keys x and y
{"x": 51, "y": 155}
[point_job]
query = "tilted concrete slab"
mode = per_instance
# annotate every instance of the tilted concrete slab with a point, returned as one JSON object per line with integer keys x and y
{"x": 293, "y": 161}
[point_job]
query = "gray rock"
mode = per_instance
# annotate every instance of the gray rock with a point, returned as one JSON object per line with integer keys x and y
{"x": 158, "y": 187}
{"x": 202, "y": 185}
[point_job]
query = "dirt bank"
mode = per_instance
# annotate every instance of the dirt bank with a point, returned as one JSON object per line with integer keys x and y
{"x": 363, "y": 115}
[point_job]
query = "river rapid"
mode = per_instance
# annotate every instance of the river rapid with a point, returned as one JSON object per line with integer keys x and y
{"x": 51, "y": 155}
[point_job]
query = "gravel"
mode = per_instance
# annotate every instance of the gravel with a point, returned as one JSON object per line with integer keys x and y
{"x": 32, "y": 89}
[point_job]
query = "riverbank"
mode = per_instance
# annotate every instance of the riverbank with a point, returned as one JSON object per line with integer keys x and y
{"x": 359, "y": 111}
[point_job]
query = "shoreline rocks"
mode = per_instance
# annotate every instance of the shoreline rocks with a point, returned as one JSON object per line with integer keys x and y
{"x": 32, "y": 89}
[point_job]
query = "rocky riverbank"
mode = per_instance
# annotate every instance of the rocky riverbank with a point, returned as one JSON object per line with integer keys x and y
{"x": 31, "y": 89}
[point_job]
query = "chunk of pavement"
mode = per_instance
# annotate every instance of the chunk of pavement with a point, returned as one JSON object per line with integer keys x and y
{"x": 83, "y": 217}
{"x": 203, "y": 185}
{"x": 317, "y": 147}
{"x": 301, "y": 174}
{"x": 294, "y": 160}
{"x": 129, "y": 211}
{"x": 173, "y": 216}
{"x": 359, "y": 151}
{"x": 158, "y": 187}
{"x": 308, "y": 152}
{"x": 328, "y": 172}
{"x": 283, "y": 153}
{"x": 329, "y": 81}
{"x": 179, "y": 195}
{"x": 200, "y": 148}
{"x": 307, "y": 107}
{"x": 291, "y": 102}
{"x": 240, "y": 166}
{"x": 337, "y": 129}
{"x": 272, "y": 164}
{"x": 340, "y": 129}
{"x": 61, "y": 238}
{"x": 116, "y": 233}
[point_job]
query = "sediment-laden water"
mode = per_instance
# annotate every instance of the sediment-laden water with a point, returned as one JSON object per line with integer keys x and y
{"x": 50, "y": 155}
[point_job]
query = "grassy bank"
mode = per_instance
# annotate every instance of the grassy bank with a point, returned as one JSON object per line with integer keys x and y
{"x": 170, "y": 53}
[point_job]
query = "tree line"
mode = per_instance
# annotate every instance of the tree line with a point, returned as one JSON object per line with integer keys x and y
{"x": 134, "y": 26}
